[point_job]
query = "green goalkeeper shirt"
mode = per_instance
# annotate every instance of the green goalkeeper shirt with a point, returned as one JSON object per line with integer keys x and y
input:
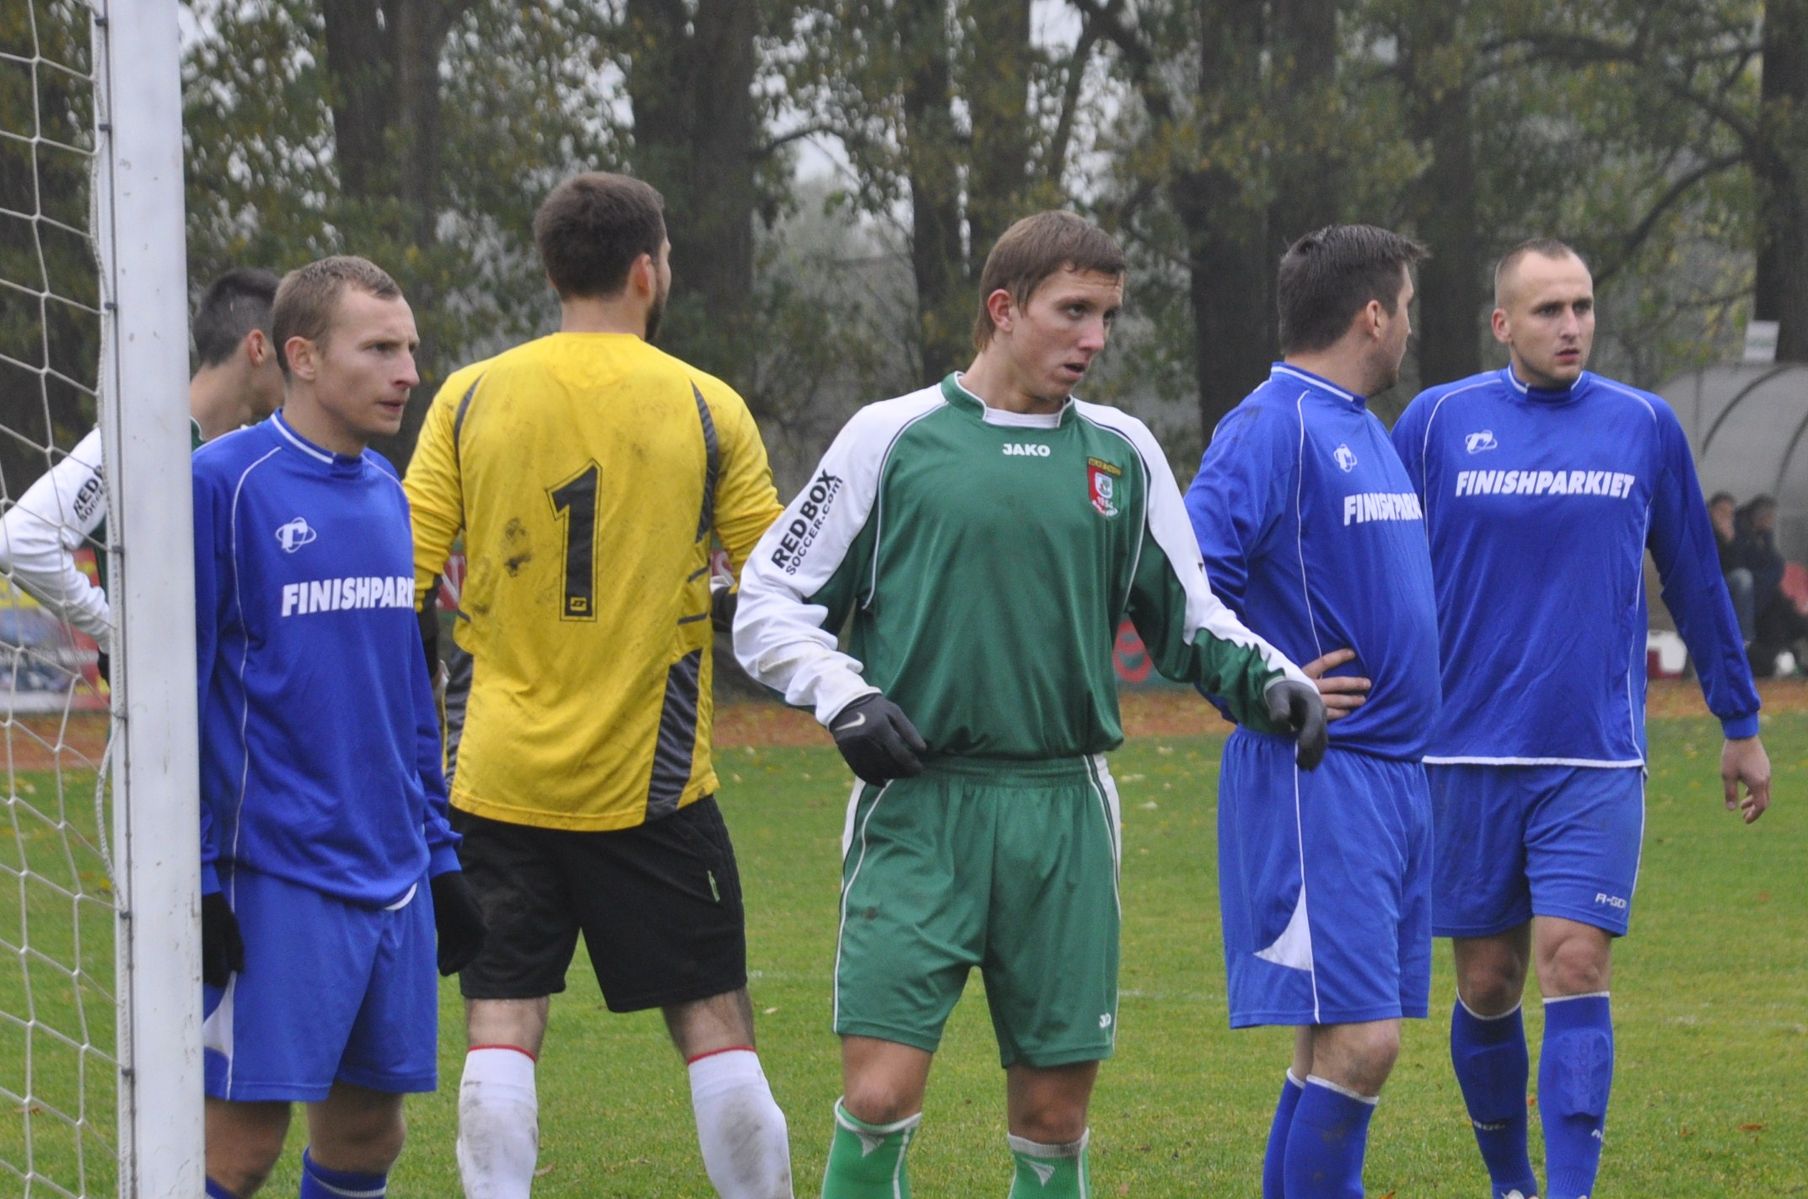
{"x": 986, "y": 559}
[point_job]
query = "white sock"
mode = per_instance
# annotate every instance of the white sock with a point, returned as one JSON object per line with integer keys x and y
{"x": 740, "y": 1128}
{"x": 498, "y": 1123}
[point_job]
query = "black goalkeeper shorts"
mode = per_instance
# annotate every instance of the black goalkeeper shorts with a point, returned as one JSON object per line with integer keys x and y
{"x": 659, "y": 906}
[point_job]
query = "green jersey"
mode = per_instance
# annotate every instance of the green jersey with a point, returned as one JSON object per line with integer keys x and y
{"x": 983, "y": 561}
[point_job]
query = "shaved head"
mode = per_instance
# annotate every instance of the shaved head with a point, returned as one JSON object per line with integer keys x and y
{"x": 1544, "y": 313}
{"x": 1506, "y": 271}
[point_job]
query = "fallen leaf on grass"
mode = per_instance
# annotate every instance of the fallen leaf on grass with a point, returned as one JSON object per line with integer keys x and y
{"x": 1751, "y": 1128}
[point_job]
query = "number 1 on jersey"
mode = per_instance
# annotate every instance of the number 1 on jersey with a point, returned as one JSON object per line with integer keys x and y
{"x": 574, "y": 503}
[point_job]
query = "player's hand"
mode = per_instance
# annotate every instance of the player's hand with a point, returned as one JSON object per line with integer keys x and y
{"x": 1342, "y": 693}
{"x": 878, "y": 740}
{"x": 1296, "y": 707}
{"x": 1743, "y": 760}
{"x": 222, "y": 949}
{"x": 458, "y": 919}
{"x": 103, "y": 667}
{"x": 723, "y": 599}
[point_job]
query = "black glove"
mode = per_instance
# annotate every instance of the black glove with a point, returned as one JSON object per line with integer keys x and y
{"x": 458, "y": 918}
{"x": 1297, "y": 708}
{"x": 428, "y": 617}
{"x": 722, "y": 601}
{"x": 878, "y": 740}
{"x": 222, "y": 949}
{"x": 103, "y": 667}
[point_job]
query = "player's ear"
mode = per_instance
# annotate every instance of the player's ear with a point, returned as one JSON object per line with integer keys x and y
{"x": 257, "y": 348}
{"x": 303, "y": 357}
{"x": 1501, "y": 326}
{"x": 1002, "y": 309}
{"x": 645, "y": 274}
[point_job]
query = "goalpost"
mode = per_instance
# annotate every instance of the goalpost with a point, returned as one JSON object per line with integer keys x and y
{"x": 100, "y": 1048}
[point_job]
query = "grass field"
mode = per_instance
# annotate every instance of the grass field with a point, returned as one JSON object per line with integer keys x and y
{"x": 1711, "y": 999}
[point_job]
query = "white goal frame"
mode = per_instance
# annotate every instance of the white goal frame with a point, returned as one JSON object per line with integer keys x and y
{"x": 139, "y": 239}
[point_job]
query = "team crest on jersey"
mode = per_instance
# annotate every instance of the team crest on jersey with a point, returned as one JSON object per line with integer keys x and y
{"x": 1344, "y": 456}
{"x": 1480, "y": 441}
{"x": 1101, "y": 485}
{"x": 294, "y": 534}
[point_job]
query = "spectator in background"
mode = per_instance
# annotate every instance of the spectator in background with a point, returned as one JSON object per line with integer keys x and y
{"x": 1723, "y": 511}
{"x": 1778, "y": 624}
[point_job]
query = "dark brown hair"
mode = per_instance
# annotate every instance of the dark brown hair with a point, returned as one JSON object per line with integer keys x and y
{"x": 233, "y": 305}
{"x": 591, "y": 229}
{"x": 1331, "y": 274}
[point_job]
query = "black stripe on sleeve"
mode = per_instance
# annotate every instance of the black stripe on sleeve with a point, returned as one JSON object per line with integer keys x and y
{"x": 707, "y": 519}
{"x": 464, "y": 406}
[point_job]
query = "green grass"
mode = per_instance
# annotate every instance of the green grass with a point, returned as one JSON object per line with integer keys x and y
{"x": 1708, "y": 995}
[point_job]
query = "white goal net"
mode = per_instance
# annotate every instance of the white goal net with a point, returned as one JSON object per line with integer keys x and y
{"x": 99, "y": 989}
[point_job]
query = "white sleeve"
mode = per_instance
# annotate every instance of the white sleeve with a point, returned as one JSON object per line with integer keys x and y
{"x": 779, "y": 634}
{"x": 1172, "y": 531}
{"x": 39, "y": 534}
{"x": 1206, "y": 613}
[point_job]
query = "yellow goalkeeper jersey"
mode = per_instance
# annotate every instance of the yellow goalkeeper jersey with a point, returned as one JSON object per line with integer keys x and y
{"x": 587, "y": 471}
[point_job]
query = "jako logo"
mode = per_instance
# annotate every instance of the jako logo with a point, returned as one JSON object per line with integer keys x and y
{"x": 1345, "y": 458}
{"x": 1475, "y": 443}
{"x": 1612, "y": 901}
{"x": 1024, "y": 449}
{"x": 295, "y": 534}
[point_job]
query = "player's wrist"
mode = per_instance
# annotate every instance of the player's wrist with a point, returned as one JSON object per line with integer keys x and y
{"x": 1740, "y": 728}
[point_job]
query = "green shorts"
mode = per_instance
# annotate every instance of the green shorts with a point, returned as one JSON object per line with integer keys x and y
{"x": 1009, "y": 866}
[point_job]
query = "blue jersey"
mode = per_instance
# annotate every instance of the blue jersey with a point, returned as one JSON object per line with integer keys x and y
{"x": 1312, "y": 535}
{"x": 1540, "y": 506}
{"x": 320, "y": 756}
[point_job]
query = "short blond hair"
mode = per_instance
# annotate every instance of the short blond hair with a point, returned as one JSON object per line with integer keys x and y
{"x": 309, "y": 295}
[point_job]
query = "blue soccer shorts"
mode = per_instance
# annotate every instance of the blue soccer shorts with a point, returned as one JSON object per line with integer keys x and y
{"x": 1518, "y": 841}
{"x": 1324, "y": 879}
{"x": 331, "y": 992}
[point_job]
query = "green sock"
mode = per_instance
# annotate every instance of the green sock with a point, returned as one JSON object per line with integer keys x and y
{"x": 1050, "y": 1171}
{"x": 866, "y": 1161}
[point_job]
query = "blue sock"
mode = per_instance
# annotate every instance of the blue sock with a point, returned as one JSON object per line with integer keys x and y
{"x": 216, "y": 1191}
{"x": 1274, "y": 1184}
{"x": 1492, "y": 1068}
{"x": 318, "y": 1182}
{"x": 1326, "y": 1143}
{"x": 1575, "y": 1073}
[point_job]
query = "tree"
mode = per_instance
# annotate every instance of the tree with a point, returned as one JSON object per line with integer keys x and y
{"x": 948, "y": 111}
{"x": 417, "y": 133}
{"x": 1246, "y": 156}
{"x": 1779, "y": 156}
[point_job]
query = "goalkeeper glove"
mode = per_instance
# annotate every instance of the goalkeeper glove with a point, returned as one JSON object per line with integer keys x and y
{"x": 723, "y": 599}
{"x": 878, "y": 740}
{"x": 458, "y": 919}
{"x": 222, "y": 949}
{"x": 1296, "y": 708}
